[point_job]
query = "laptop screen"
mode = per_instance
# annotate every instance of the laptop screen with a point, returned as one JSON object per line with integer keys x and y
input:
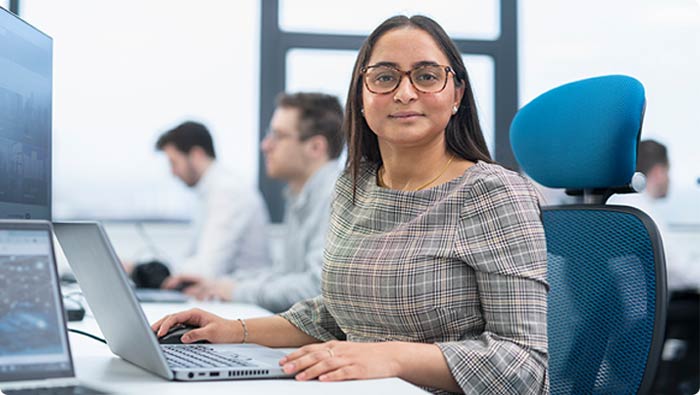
{"x": 33, "y": 340}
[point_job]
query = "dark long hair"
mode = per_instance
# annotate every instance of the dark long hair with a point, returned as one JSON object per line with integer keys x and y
{"x": 463, "y": 134}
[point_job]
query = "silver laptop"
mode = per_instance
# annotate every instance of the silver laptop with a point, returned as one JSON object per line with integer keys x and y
{"x": 119, "y": 316}
{"x": 35, "y": 354}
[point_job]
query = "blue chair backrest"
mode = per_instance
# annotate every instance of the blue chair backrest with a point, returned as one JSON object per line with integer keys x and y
{"x": 603, "y": 299}
{"x": 581, "y": 135}
{"x": 607, "y": 299}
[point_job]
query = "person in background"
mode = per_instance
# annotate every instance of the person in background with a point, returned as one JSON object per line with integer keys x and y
{"x": 301, "y": 148}
{"x": 435, "y": 263}
{"x": 229, "y": 224}
{"x": 653, "y": 162}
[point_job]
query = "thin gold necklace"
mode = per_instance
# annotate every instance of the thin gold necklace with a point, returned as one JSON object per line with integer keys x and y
{"x": 380, "y": 176}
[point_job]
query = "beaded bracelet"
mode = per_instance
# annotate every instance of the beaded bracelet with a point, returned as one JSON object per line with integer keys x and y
{"x": 245, "y": 330}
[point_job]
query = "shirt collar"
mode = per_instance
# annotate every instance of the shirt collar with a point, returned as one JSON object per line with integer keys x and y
{"x": 207, "y": 179}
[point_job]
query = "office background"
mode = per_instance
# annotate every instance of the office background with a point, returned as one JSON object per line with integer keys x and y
{"x": 126, "y": 71}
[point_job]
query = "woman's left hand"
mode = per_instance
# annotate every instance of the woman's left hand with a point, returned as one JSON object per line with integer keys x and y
{"x": 340, "y": 360}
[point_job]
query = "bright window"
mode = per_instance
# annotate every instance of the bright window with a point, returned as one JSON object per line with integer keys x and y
{"x": 476, "y": 19}
{"x": 481, "y": 75}
{"x": 124, "y": 72}
{"x": 325, "y": 71}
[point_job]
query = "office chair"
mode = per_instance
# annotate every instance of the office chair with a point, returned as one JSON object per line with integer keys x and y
{"x": 606, "y": 268}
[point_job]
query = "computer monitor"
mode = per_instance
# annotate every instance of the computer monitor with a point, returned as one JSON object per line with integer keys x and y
{"x": 25, "y": 119}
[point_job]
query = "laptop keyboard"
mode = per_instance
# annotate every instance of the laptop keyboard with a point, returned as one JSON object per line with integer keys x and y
{"x": 196, "y": 356}
{"x": 68, "y": 390}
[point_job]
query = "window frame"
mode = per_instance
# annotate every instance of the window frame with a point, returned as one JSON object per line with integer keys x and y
{"x": 14, "y": 6}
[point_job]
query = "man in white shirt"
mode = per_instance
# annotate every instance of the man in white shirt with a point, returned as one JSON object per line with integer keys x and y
{"x": 652, "y": 161}
{"x": 229, "y": 225}
{"x": 301, "y": 148}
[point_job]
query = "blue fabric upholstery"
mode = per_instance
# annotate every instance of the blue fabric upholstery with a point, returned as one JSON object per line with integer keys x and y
{"x": 607, "y": 299}
{"x": 602, "y": 314}
{"x": 586, "y": 130}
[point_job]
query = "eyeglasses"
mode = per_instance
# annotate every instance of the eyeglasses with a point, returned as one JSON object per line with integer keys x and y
{"x": 276, "y": 136}
{"x": 383, "y": 79}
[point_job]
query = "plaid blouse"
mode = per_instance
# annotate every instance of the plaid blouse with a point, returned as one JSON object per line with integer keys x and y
{"x": 461, "y": 265}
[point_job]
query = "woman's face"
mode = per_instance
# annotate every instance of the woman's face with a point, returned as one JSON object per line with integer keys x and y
{"x": 407, "y": 117}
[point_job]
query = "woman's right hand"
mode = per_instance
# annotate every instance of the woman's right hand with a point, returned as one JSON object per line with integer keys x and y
{"x": 211, "y": 327}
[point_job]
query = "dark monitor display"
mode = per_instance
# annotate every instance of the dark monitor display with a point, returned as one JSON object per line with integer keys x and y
{"x": 25, "y": 119}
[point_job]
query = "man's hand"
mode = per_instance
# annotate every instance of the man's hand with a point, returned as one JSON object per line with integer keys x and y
{"x": 221, "y": 289}
{"x": 201, "y": 288}
{"x": 128, "y": 266}
{"x": 182, "y": 282}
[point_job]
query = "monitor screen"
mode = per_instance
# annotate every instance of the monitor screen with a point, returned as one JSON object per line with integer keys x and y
{"x": 33, "y": 339}
{"x": 25, "y": 120}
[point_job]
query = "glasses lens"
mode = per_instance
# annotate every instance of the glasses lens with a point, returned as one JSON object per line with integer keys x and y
{"x": 382, "y": 79}
{"x": 429, "y": 79}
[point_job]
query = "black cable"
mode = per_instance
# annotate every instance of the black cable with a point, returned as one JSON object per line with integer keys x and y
{"x": 99, "y": 339}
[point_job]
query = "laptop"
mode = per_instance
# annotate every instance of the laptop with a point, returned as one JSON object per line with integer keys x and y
{"x": 118, "y": 313}
{"x": 35, "y": 355}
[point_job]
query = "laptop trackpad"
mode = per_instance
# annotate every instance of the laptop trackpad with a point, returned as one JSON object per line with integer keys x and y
{"x": 249, "y": 352}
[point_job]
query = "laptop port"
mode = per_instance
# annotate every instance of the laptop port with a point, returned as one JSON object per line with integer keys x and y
{"x": 214, "y": 374}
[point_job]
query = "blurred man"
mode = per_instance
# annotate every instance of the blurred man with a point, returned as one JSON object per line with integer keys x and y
{"x": 302, "y": 149}
{"x": 229, "y": 225}
{"x": 652, "y": 161}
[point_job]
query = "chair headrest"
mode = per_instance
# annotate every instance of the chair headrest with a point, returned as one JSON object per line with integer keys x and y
{"x": 582, "y": 135}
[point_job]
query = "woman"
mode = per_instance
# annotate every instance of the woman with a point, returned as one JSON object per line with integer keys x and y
{"x": 435, "y": 261}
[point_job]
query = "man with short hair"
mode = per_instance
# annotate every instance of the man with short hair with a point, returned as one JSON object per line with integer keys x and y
{"x": 229, "y": 225}
{"x": 302, "y": 149}
{"x": 652, "y": 161}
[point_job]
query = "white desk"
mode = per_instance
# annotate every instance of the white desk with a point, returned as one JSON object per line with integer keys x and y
{"x": 95, "y": 364}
